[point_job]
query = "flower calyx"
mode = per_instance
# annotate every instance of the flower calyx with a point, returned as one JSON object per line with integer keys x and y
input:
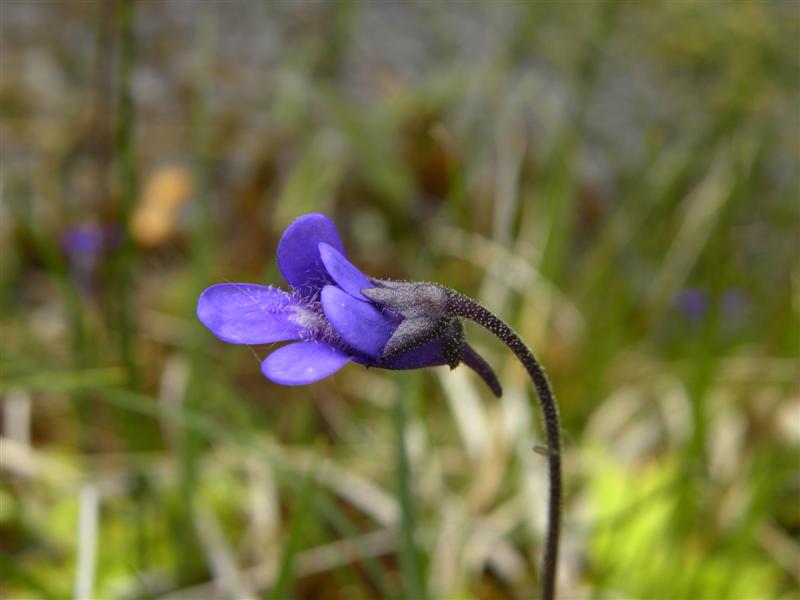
{"x": 424, "y": 308}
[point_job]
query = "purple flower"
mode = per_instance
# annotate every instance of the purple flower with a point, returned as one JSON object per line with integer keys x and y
{"x": 692, "y": 302}
{"x": 734, "y": 302}
{"x": 85, "y": 246}
{"x": 84, "y": 240}
{"x": 325, "y": 316}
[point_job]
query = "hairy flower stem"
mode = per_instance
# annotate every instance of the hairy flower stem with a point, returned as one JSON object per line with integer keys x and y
{"x": 460, "y": 305}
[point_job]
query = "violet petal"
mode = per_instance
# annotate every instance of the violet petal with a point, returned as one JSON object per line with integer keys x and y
{"x": 427, "y": 355}
{"x": 302, "y": 363}
{"x": 358, "y": 323}
{"x": 298, "y": 253}
{"x": 244, "y": 313}
{"x": 343, "y": 272}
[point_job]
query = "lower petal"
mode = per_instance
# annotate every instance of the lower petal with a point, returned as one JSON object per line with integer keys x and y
{"x": 244, "y": 313}
{"x": 302, "y": 363}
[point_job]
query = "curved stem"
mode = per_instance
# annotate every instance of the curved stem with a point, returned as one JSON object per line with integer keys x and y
{"x": 463, "y": 306}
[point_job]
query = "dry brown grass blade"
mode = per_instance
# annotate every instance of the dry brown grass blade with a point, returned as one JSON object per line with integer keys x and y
{"x": 221, "y": 562}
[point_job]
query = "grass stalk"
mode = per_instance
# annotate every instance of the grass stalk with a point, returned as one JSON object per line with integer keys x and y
{"x": 126, "y": 179}
{"x": 410, "y": 560}
{"x": 297, "y": 528}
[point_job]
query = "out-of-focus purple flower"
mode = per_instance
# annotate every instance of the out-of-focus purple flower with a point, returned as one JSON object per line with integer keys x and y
{"x": 85, "y": 239}
{"x": 734, "y": 302}
{"x": 85, "y": 245}
{"x": 693, "y": 303}
{"x": 325, "y": 316}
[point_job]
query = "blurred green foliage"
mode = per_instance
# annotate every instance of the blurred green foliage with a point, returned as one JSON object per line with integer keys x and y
{"x": 616, "y": 179}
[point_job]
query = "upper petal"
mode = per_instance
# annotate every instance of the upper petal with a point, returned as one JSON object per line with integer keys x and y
{"x": 244, "y": 313}
{"x": 343, "y": 272}
{"x": 302, "y": 363}
{"x": 358, "y": 323}
{"x": 298, "y": 252}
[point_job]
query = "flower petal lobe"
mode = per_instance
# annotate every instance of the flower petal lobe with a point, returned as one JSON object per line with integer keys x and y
{"x": 303, "y": 362}
{"x": 298, "y": 253}
{"x": 343, "y": 272}
{"x": 244, "y": 313}
{"x": 358, "y": 323}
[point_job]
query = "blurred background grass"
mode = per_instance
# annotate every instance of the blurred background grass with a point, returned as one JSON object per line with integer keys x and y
{"x": 616, "y": 179}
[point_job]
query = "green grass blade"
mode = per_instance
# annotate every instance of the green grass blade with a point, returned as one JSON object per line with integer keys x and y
{"x": 297, "y": 529}
{"x": 410, "y": 559}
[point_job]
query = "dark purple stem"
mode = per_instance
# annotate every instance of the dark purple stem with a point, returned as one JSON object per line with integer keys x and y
{"x": 462, "y": 306}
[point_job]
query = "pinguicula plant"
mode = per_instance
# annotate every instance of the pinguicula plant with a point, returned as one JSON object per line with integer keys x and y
{"x": 334, "y": 314}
